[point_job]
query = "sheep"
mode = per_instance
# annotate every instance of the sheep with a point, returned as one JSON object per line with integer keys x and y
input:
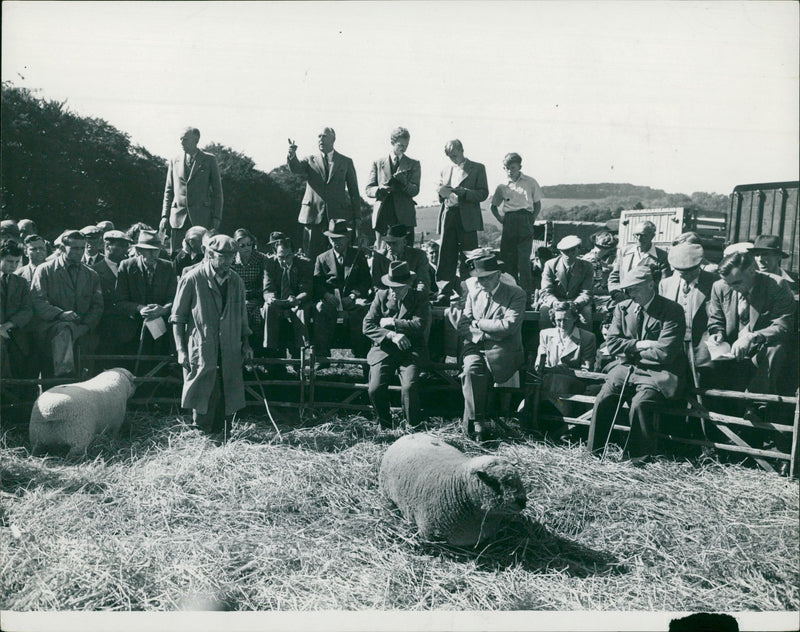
{"x": 447, "y": 494}
{"x": 73, "y": 414}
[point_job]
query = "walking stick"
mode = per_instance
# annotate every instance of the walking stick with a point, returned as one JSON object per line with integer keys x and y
{"x": 266, "y": 404}
{"x": 616, "y": 413}
{"x": 139, "y": 351}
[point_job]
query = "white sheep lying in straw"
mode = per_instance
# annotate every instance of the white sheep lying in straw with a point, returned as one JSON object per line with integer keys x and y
{"x": 73, "y": 414}
{"x": 447, "y": 494}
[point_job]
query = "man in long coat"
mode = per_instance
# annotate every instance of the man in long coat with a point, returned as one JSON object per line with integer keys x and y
{"x": 209, "y": 324}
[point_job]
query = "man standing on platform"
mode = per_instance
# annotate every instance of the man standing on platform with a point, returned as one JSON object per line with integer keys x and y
{"x": 331, "y": 191}
{"x": 398, "y": 323}
{"x": 521, "y": 199}
{"x": 643, "y": 253}
{"x": 193, "y": 192}
{"x": 462, "y": 188}
{"x": 646, "y": 339}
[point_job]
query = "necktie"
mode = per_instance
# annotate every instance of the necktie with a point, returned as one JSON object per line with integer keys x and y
{"x": 325, "y": 164}
{"x": 685, "y": 287}
{"x": 4, "y": 290}
{"x": 743, "y": 307}
{"x": 189, "y": 162}
{"x": 639, "y": 321}
{"x": 285, "y": 283}
{"x": 394, "y": 164}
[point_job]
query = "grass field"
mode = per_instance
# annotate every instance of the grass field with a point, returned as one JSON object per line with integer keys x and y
{"x": 164, "y": 519}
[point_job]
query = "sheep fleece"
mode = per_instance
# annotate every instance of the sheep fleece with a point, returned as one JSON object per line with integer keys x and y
{"x": 447, "y": 494}
{"x": 73, "y": 414}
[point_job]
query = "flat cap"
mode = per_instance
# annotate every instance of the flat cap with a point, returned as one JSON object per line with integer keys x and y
{"x": 569, "y": 242}
{"x": 115, "y": 234}
{"x": 9, "y": 227}
{"x": 91, "y": 230}
{"x": 223, "y": 244}
{"x": 742, "y": 246}
{"x": 637, "y": 275}
{"x": 685, "y": 256}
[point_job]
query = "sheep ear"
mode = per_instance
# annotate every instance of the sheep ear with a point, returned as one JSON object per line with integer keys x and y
{"x": 493, "y": 483}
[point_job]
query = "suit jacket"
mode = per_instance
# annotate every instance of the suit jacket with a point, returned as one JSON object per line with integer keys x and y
{"x": 16, "y": 305}
{"x": 696, "y": 300}
{"x": 772, "y": 310}
{"x": 417, "y": 261}
{"x": 132, "y": 289}
{"x": 575, "y": 287}
{"x": 301, "y": 278}
{"x": 196, "y": 195}
{"x": 53, "y": 292}
{"x": 26, "y": 272}
{"x": 334, "y": 198}
{"x": 113, "y": 322}
{"x": 663, "y": 322}
{"x": 355, "y": 276}
{"x": 469, "y": 203}
{"x": 500, "y": 319}
{"x": 578, "y": 352}
{"x": 401, "y": 196}
{"x": 627, "y": 260}
{"x": 412, "y": 318}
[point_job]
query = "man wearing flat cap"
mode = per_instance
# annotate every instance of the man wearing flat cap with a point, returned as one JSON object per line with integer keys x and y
{"x": 146, "y": 287}
{"x": 193, "y": 191}
{"x": 211, "y": 332}
{"x": 568, "y": 278}
{"x": 642, "y": 253}
{"x": 114, "y": 327}
{"x": 645, "y": 339}
{"x": 331, "y": 191}
{"x": 490, "y": 328}
{"x": 398, "y": 250}
{"x": 94, "y": 245}
{"x": 601, "y": 256}
{"x": 341, "y": 284}
{"x": 398, "y": 323}
{"x": 68, "y": 303}
{"x": 768, "y": 251}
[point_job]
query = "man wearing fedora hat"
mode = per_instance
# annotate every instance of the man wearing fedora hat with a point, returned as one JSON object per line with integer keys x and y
{"x": 398, "y": 250}
{"x": 114, "y": 326}
{"x": 146, "y": 287}
{"x": 341, "y": 282}
{"x": 568, "y": 278}
{"x": 68, "y": 303}
{"x": 490, "y": 328}
{"x": 211, "y": 332}
{"x": 398, "y": 323}
{"x": 768, "y": 253}
{"x": 645, "y": 339}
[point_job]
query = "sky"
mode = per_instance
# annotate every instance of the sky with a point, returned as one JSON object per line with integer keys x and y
{"x": 681, "y": 96}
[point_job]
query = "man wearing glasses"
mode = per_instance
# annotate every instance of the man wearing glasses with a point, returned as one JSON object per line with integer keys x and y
{"x": 642, "y": 253}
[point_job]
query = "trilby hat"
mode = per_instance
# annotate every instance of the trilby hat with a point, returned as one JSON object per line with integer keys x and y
{"x": 399, "y": 274}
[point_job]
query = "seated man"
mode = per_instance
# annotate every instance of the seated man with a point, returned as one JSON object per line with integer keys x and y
{"x": 754, "y": 313}
{"x": 646, "y": 340}
{"x": 398, "y": 323}
{"x": 115, "y": 328}
{"x": 16, "y": 311}
{"x": 768, "y": 253}
{"x": 643, "y": 253}
{"x": 341, "y": 282}
{"x": 288, "y": 289}
{"x": 146, "y": 288}
{"x": 68, "y": 304}
{"x": 36, "y": 251}
{"x": 94, "y": 244}
{"x": 490, "y": 329}
{"x": 398, "y": 250}
{"x": 568, "y": 278}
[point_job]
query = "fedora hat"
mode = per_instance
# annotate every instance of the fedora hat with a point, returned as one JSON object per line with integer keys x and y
{"x": 399, "y": 274}
{"x": 484, "y": 266}
{"x": 148, "y": 240}
{"x": 337, "y": 228}
{"x": 275, "y": 237}
{"x": 397, "y": 232}
{"x": 768, "y": 245}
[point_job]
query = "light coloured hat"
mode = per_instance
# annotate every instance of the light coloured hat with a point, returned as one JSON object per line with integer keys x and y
{"x": 91, "y": 231}
{"x": 637, "y": 275}
{"x": 742, "y": 246}
{"x": 568, "y": 243}
{"x": 223, "y": 244}
{"x": 685, "y": 256}
{"x": 115, "y": 234}
{"x": 148, "y": 240}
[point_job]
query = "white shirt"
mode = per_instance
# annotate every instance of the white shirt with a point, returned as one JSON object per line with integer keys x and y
{"x": 457, "y": 174}
{"x": 519, "y": 195}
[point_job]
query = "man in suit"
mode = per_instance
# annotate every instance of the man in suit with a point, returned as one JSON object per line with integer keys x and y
{"x": 768, "y": 252}
{"x": 288, "y": 295}
{"x": 462, "y": 188}
{"x": 67, "y": 303}
{"x": 94, "y": 245}
{"x": 146, "y": 288}
{"x": 490, "y": 328}
{"x": 755, "y": 314}
{"x": 331, "y": 191}
{"x": 341, "y": 282}
{"x": 690, "y": 287}
{"x": 642, "y": 253}
{"x": 398, "y": 250}
{"x": 114, "y": 327}
{"x": 568, "y": 278}
{"x": 398, "y": 323}
{"x": 393, "y": 183}
{"x": 646, "y": 339}
{"x": 36, "y": 251}
{"x": 16, "y": 311}
{"x": 193, "y": 192}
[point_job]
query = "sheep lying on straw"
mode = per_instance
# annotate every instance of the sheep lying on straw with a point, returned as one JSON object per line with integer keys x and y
{"x": 447, "y": 494}
{"x": 73, "y": 414}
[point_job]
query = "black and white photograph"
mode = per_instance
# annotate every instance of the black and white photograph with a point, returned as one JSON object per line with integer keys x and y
{"x": 397, "y": 316}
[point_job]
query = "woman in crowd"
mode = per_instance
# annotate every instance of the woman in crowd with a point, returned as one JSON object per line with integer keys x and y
{"x": 250, "y": 264}
{"x": 192, "y": 251}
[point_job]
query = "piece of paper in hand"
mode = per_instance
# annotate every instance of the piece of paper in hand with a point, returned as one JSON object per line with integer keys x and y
{"x": 157, "y": 327}
{"x": 719, "y": 351}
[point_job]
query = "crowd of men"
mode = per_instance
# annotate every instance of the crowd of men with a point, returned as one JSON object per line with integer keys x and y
{"x": 670, "y": 318}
